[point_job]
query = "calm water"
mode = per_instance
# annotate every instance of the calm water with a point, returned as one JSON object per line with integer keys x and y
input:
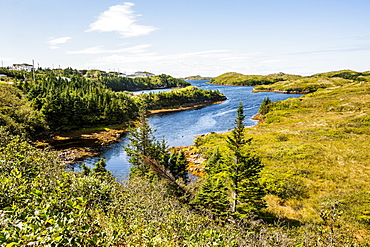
{"x": 181, "y": 128}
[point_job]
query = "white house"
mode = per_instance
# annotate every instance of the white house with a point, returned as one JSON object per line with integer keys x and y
{"x": 23, "y": 66}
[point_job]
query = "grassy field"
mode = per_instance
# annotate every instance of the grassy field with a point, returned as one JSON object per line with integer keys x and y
{"x": 316, "y": 155}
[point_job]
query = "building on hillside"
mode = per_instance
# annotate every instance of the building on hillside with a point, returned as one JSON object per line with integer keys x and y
{"x": 141, "y": 74}
{"x": 3, "y": 76}
{"x": 23, "y": 66}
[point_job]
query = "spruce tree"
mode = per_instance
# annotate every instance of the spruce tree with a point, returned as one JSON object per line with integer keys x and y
{"x": 265, "y": 106}
{"x": 213, "y": 196}
{"x": 150, "y": 157}
{"x": 177, "y": 165}
{"x": 143, "y": 145}
{"x": 246, "y": 192}
{"x": 213, "y": 193}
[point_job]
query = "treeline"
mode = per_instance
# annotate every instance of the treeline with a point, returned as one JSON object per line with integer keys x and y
{"x": 180, "y": 97}
{"x": 153, "y": 82}
{"x": 77, "y": 102}
{"x": 55, "y": 104}
{"x": 113, "y": 80}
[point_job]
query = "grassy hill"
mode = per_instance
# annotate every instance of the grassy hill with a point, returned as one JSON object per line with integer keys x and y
{"x": 316, "y": 155}
{"x": 285, "y": 83}
{"x": 312, "y": 83}
{"x": 237, "y": 79}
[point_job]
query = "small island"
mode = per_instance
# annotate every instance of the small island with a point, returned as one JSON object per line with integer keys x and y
{"x": 197, "y": 77}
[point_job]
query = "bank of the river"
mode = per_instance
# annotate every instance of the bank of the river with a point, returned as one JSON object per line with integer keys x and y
{"x": 183, "y": 108}
{"x": 196, "y": 160}
{"x": 280, "y": 91}
{"x": 78, "y": 145}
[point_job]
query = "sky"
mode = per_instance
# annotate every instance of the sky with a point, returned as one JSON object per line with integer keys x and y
{"x": 188, "y": 37}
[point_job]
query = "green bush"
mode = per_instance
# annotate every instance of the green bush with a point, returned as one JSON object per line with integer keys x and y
{"x": 284, "y": 184}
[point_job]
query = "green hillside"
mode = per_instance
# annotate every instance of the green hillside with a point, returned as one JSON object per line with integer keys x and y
{"x": 285, "y": 83}
{"x": 316, "y": 157}
{"x": 237, "y": 79}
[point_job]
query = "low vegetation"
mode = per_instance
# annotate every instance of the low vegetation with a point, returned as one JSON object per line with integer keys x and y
{"x": 16, "y": 113}
{"x": 314, "y": 149}
{"x": 42, "y": 204}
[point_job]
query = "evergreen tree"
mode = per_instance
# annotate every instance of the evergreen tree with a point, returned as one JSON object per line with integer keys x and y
{"x": 215, "y": 164}
{"x": 246, "y": 191}
{"x": 143, "y": 145}
{"x": 265, "y": 106}
{"x": 213, "y": 196}
{"x": 85, "y": 170}
{"x": 177, "y": 165}
{"x": 99, "y": 167}
{"x": 150, "y": 158}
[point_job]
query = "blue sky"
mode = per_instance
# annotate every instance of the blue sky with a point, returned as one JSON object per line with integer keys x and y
{"x": 188, "y": 37}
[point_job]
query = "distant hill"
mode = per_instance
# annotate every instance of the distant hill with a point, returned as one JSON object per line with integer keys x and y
{"x": 197, "y": 77}
{"x": 312, "y": 83}
{"x": 286, "y": 83}
{"x": 237, "y": 79}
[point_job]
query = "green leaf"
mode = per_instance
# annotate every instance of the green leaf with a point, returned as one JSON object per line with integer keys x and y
{"x": 12, "y": 244}
{"x": 36, "y": 192}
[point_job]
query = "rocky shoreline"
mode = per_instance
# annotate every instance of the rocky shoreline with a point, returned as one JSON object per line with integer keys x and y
{"x": 78, "y": 145}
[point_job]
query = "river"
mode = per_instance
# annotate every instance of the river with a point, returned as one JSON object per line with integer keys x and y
{"x": 181, "y": 128}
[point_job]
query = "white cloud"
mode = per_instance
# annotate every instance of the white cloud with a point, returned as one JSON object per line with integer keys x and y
{"x": 121, "y": 19}
{"x": 100, "y": 50}
{"x": 54, "y": 42}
